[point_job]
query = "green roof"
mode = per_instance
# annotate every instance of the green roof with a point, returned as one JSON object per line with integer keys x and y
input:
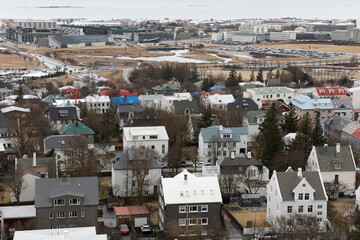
{"x": 76, "y": 129}
{"x": 272, "y": 90}
{"x": 248, "y": 86}
{"x": 166, "y": 87}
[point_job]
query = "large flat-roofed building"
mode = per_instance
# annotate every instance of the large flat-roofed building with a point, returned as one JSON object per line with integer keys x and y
{"x": 283, "y": 36}
{"x": 74, "y": 41}
{"x": 26, "y": 23}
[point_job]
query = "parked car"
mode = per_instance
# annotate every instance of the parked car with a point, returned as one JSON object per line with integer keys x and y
{"x": 199, "y": 164}
{"x": 163, "y": 165}
{"x": 124, "y": 229}
{"x": 145, "y": 229}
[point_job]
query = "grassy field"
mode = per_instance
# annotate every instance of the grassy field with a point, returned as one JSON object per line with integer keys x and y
{"x": 258, "y": 219}
{"x": 13, "y": 61}
{"x": 115, "y": 75}
{"x": 316, "y": 47}
{"x": 342, "y": 205}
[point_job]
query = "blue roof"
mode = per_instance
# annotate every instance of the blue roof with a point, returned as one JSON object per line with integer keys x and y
{"x": 208, "y": 133}
{"x": 217, "y": 87}
{"x": 305, "y": 102}
{"x": 125, "y": 101}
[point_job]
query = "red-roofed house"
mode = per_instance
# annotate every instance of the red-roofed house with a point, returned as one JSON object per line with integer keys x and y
{"x": 330, "y": 92}
{"x": 126, "y": 93}
{"x": 132, "y": 215}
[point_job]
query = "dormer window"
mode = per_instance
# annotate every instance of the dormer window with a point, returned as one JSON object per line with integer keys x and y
{"x": 337, "y": 165}
{"x": 153, "y": 137}
{"x": 226, "y": 136}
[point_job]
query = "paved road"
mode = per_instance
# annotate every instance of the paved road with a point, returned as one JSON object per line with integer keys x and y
{"x": 234, "y": 233}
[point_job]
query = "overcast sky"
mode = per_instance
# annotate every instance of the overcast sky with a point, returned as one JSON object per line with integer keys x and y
{"x": 194, "y": 9}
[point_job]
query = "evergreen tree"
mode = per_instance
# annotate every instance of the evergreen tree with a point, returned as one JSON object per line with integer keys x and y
{"x": 206, "y": 85}
{"x": 317, "y": 138}
{"x": 206, "y": 119}
{"x": 252, "y": 77}
{"x": 260, "y": 77}
{"x": 167, "y": 72}
{"x": 240, "y": 79}
{"x": 269, "y": 74}
{"x": 277, "y": 75}
{"x": 194, "y": 74}
{"x": 290, "y": 123}
{"x": 270, "y": 139}
{"x": 231, "y": 81}
{"x": 304, "y": 134}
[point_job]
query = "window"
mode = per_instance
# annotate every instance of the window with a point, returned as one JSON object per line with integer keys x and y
{"x": 82, "y": 213}
{"x": 143, "y": 137}
{"x": 182, "y": 222}
{"x": 337, "y": 165}
{"x": 153, "y": 137}
{"x": 146, "y": 193}
{"x": 74, "y": 201}
{"x": 289, "y": 209}
{"x": 202, "y": 192}
{"x": 204, "y": 232}
{"x": 307, "y": 196}
{"x": 301, "y": 209}
{"x": 193, "y": 209}
{"x": 60, "y": 215}
{"x": 146, "y": 182}
{"x": 51, "y": 215}
{"x": 73, "y": 214}
{"x": 146, "y": 172}
{"x": 204, "y": 221}
{"x": 319, "y": 206}
{"x": 163, "y": 149}
{"x": 319, "y": 213}
{"x": 211, "y": 192}
{"x": 304, "y": 185}
{"x": 152, "y": 146}
{"x": 209, "y": 145}
{"x": 319, "y": 219}
{"x": 194, "y": 193}
{"x": 182, "y": 209}
{"x": 300, "y": 196}
{"x": 193, "y": 221}
{"x": 181, "y": 193}
{"x": 204, "y": 208}
{"x": 310, "y": 209}
{"x": 226, "y": 136}
{"x": 59, "y": 202}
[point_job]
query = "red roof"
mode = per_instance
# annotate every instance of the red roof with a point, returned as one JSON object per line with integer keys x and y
{"x": 132, "y": 210}
{"x": 357, "y": 133}
{"x": 124, "y": 92}
{"x": 332, "y": 91}
{"x": 357, "y": 110}
{"x": 108, "y": 92}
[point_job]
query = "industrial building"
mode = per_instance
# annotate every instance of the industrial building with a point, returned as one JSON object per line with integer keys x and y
{"x": 74, "y": 41}
{"x": 283, "y": 36}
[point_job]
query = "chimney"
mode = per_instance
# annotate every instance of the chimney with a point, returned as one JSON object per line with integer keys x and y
{"x": 185, "y": 178}
{"x": 337, "y": 147}
{"x": 299, "y": 173}
{"x": 220, "y": 127}
{"x": 66, "y": 235}
{"x": 232, "y": 155}
{"x": 34, "y": 159}
{"x": 249, "y": 155}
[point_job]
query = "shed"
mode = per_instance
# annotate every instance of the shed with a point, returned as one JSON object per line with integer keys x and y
{"x": 132, "y": 215}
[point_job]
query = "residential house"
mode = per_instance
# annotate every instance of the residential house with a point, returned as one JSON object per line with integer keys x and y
{"x": 248, "y": 173}
{"x": 333, "y": 127}
{"x": 61, "y": 116}
{"x": 155, "y": 138}
{"x": 5, "y": 134}
{"x": 217, "y": 142}
{"x": 148, "y": 100}
{"x": 336, "y": 165}
{"x": 68, "y": 104}
{"x": 51, "y": 99}
{"x": 166, "y": 103}
{"x": 354, "y": 96}
{"x": 135, "y": 216}
{"x": 242, "y": 104}
{"x": 350, "y": 134}
{"x": 5, "y": 92}
{"x": 218, "y": 102}
{"x": 66, "y": 202}
{"x": 343, "y": 108}
{"x": 292, "y": 193}
{"x": 28, "y": 176}
{"x": 252, "y": 121}
{"x": 18, "y": 216}
{"x": 45, "y": 166}
{"x": 88, "y": 233}
{"x": 135, "y": 172}
{"x": 190, "y": 205}
{"x": 266, "y": 95}
{"x": 126, "y": 113}
{"x": 331, "y": 92}
{"x": 194, "y": 123}
{"x": 187, "y": 107}
{"x": 78, "y": 128}
{"x": 304, "y": 104}
{"x": 97, "y": 103}
{"x": 167, "y": 88}
{"x": 123, "y": 100}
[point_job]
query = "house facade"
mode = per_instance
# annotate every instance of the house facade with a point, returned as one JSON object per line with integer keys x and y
{"x": 97, "y": 103}
{"x": 263, "y": 96}
{"x": 66, "y": 202}
{"x": 252, "y": 121}
{"x": 304, "y": 104}
{"x": 190, "y": 205}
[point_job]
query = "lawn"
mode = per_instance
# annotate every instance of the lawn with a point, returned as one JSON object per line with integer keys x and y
{"x": 258, "y": 219}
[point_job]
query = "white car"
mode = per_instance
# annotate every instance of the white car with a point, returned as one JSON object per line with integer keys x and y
{"x": 145, "y": 229}
{"x": 199, "y": 164}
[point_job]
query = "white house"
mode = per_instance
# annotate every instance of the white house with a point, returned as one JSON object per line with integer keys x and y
{"x": 218, "y": 101}
{"x": 28, "y": 188}
{"x": 336, "y": 165}
{"x": 166, "y": 103}
{"x": 252, "y": 121}
{"x": 290, "y": 193}
{"x": 354, "y": 96}
{"x": 97, "y": 103}
{"x": 125, "y": 164}
{"x": 154, "y": 137}
{"x": 217, "y": 142}
{"x": 263, "y": 96}
{"x": 149, "y": 100}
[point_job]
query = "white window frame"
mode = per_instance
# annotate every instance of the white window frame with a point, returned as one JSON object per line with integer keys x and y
{"x": 73, "y": 214}
{"x": 182, "y": 222}
{"x": 207, "y": 221}
{"x": 182, "y": 209}
{"x": 77, "y": 201}
{"x": 193, "y": 207}
{"x": 56, "y": 202}
{"x": 59, "y": 215}
{"x": 204, "y": 208}
{"x": 82, "y": 213}
{"x": 51, "y": 215}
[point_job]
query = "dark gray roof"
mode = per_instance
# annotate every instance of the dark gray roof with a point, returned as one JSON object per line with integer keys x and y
{"x": 4, "y": 121}
{"x": 288, "y": 181}
{"x": 143, "y": 122}
{"x": 48, "y": 188}
{"x": 238, "y": 161}
{"x": 124, "y": 110}
{"x": 338, "y": 122}
{"x": 126, "y": 159}
{"x": 327, "y": 156}
{"x": 183, "y": 105}
{"x": 244, "y": 104}
{"x": 80, "y": 39}
{"x": 342, "y": 104}
{"x": 6, "y": 90}
{"x": 52, "y": 97}
{"x": 252, "y": 116}
{"x": 28, "y": 162}
{"x": 62, "y": 113}
{"x": 60, "y": 142}
{"x": 273, "y": 82}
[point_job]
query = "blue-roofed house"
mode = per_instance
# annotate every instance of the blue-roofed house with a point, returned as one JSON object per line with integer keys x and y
{"x": 123, "y": 100}
{"x": 304, "y": 104}
{"x": 217, "y": 142}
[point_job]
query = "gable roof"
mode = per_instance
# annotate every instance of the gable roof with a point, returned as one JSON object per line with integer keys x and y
{"x": 19, "y": 212}
{"x": 48, "y": 188}
{"x": 243, "y": 103}
{"x": 143, "y": 122}
{"x": 208, "y": 133}
{"x": 332, "y": 91}
{"x": 338, "y": 122}
{"x": 289, "y": 180}
{"x": 26, "y": 162}
{"x": 77, "y": 128}
{"x": 327, "y": 156}
{"x": 194, "y": 190}
{"x": 221, "y": 99}
{"x": 124, "y": 110}
{"x": 240, "y": 160}
{"x": 13, "y": 109}
{"x": 252, "y": 116}
{"x": 125, "y": 160}
{"x": 181, "y": 105}
{"x": 60, "y": 142}
{"x": 52, "y": 97}
{"x": 342, "y": 104}
{"x": 305, "y": 102}
{"x": 62, "y": 113}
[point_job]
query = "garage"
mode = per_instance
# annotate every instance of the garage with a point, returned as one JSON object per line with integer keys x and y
{"x": 139, "y": 221}
{"x": 123, "y": 221}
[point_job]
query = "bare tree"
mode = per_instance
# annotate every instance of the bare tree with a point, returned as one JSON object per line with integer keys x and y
{"x": 252, "y": 179}
{"x": 228, "y": 183}
{"x": 20, "y": 138}
{"x": 215, "y": 149}
{"x": 17, "y": 185}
